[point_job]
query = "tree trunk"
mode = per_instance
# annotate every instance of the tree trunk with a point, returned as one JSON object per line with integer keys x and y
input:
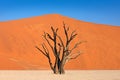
{"x": 61, "y": 71}
{"x": 61, "y": 68}
{"x": 55, "y": 71}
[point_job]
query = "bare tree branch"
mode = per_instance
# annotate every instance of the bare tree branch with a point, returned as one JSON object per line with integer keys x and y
{"x": 46, "y": 54}
{"x": 44, "y": 49}
{"x": 49, "y": 36}
{"x": 66, "y": 32}
{"x": 41, "y": 51}
{"x": 59, "y": 50}
{"x": 49, "y": 59}
{"x": 72, "y": 36}
{"x": 72, "y": 56}
{"x": 75, "y": 46}
{"x": 48, "y": 41}
{"x": 61, "y": 41}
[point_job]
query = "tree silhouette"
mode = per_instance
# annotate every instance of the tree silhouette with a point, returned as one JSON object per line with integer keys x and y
{"x": 60, "y": 48}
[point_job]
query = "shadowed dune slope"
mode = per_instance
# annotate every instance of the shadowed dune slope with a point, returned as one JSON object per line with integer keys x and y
{"x": 19, "y": 37}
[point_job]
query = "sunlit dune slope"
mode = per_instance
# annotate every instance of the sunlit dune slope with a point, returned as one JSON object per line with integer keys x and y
{"x": 18, "y": 39}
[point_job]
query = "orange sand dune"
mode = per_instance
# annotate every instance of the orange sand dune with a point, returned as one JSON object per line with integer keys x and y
{"x": 19, "y": 37}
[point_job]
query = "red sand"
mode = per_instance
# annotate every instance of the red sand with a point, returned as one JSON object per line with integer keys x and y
{"x": 19, "y": 37}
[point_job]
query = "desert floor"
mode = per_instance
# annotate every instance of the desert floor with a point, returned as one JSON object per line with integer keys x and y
{"x": 70, "y": 75}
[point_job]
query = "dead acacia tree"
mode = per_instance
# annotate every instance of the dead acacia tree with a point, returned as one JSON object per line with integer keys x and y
{"x": 60, "y": 48}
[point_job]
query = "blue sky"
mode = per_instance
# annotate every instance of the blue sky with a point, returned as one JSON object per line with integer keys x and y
{"x": 97, "y": 11}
